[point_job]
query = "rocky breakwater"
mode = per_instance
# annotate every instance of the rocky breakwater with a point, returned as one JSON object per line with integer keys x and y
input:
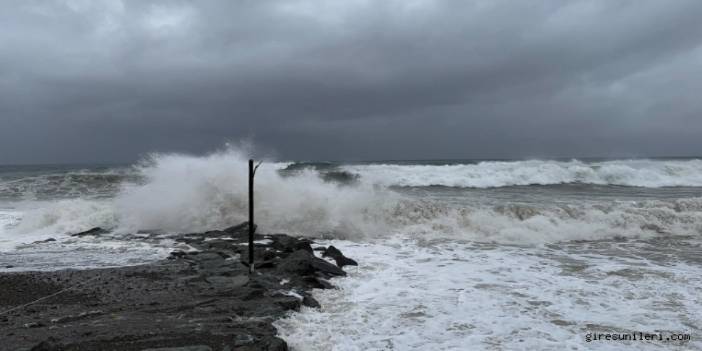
{"x": 199, "y": 299}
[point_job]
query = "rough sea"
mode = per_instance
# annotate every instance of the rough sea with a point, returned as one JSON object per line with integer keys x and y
{"x": 454, "y": 255}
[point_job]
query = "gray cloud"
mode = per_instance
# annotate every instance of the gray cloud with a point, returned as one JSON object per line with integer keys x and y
{"x": 87, "y": 81}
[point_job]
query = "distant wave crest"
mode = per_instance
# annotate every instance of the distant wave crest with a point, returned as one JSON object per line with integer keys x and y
{"x": 637, "y": 173}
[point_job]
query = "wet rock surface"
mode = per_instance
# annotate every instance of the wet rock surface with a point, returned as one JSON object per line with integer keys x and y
{"x": 339, "y": 257}
{"x": 198, "y": 299}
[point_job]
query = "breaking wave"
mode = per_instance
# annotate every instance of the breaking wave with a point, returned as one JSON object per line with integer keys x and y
{"x": 180, "y": 193}
{"x": 636, "y": 173}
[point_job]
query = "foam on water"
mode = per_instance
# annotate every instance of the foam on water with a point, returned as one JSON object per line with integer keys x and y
{"x": 410, "y": 295}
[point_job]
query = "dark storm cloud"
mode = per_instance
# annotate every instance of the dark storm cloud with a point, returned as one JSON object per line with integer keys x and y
{"x": 108, "y": 81}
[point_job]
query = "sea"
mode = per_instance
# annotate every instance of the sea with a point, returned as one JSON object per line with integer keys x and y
{"x": 531, "y": 254}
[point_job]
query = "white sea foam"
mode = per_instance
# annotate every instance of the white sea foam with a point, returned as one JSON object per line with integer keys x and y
{"x": 454, "y": 296}
{"x": 640, "y": 173}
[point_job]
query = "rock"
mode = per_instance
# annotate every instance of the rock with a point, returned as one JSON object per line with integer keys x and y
{"x": 264, "y": 264}
{"x": 72, "y": 318}
{"x": 303, "y": 262}
{"x": 298, "y": 262}
{"x": 318, "y": 283}
{"x": 304, "y": 244}
{"x": 288, "y": 302}
{"x": 182, "y": 348}
{"x": 266, "y": 255}
{"x": 49, "y": 344}
{"x": 44, "y": 241}
{"x": 326, "y": 268}
{"x": 243, "y": 339}
{"x": 33, "y": 325}
{"x": 289, "y": 244}
{"x": 310, "y": 301}
{"x": 339, "y": 257}
{"x": 214, "y": 234}
{"x": 272, "y": 343}
{"x": 177, "y": 254}
{"x": 239, "y": 229}
{"x": 95, "y": 231}
{"x": 221, "y": 282}
{"x": 653, "y": 227}
{"x": 9, "y": 266}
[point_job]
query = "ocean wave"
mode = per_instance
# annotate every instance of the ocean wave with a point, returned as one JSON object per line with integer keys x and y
{"x": 183, "y": 193}
{"x": 66, "y": 184}
{"x": 492, "y": 174}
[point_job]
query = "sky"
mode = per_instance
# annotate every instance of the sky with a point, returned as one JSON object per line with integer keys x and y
{"x": 110, "y": 81}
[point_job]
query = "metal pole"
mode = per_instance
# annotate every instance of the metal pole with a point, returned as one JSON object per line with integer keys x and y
{"x": 251, "y": 216}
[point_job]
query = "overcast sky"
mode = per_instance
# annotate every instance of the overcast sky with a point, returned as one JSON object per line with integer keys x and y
{"x": 94, "y": 81}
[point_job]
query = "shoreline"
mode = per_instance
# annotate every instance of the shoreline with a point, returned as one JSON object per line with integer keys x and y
{"x": 200, "y": 300}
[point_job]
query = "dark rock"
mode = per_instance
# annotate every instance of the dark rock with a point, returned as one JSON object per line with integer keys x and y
{"x": 243, "y": 339}
{"x": 272, "y": 343}
{"x": 239, "y": 229}
{"x": 95, "y": 231}
{"x": 304, "y": 244}
{"x": 151, "y": 231}
{"x": 319, "y": 283}
{"x": 254, "y": 294}
{"x": 44, "y": 241}
{"x": 264, "y": 264}
{"x": 182, "y": 348}
{"x": 288, "y": 302}
{"x": 47, "y": 345}
{"x": 9, "y": 266}
{"x": 267, "y": 255}
{"x": 80, "y": 316}
{"x": 310, "y": 301}
{"x": 215, "y": 234}
{"x": 339, "y": 257}
{"x": 286, "y": 243}
{"x": 304, "y": 263}
{"x": 299, "y": 262}
{"x": 177, "y": 254}
{"x": 221, "y": 282}
{"x": 326, "y": 268}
